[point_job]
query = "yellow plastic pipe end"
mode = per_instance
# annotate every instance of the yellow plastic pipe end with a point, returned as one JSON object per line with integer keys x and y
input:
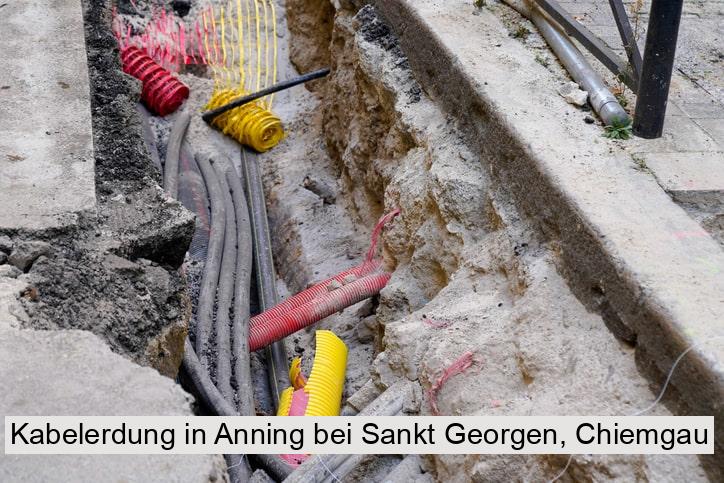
{"x": 251, "y": 124}
{"x": 326, "y": 382}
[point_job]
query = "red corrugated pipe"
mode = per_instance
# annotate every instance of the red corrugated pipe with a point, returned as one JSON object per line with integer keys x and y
{"x": 317, "y": 302}
{"x": 314, "y": 291}
{"x": 361, "y": 270}
{"x": 162, "y": 92}
{"x": 261, "y": 335}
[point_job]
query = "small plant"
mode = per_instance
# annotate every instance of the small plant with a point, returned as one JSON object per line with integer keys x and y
{"x": 635, "y": 9}
{"x": 619, "y": 130}
{"x": 479, "y": 4}
{"x": 521, "y": 32}
{"x": 640, "y": 164}
{"x": 621, "y": 98}
{"x": 542, "y": 60}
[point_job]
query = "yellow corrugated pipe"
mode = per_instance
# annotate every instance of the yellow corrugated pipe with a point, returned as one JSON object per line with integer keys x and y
{"x": 285, "y": 401}
{"x": 326, "y": 381}
{"x": 251, "y": 124}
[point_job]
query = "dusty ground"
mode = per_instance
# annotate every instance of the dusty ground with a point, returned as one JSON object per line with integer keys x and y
{"x": 470, "y": 275}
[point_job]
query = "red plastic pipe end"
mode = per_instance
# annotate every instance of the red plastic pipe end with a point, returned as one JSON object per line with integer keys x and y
{"x": 162, "y": 92}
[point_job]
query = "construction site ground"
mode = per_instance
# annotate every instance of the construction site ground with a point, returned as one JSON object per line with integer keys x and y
{"x": 574, "y": 268}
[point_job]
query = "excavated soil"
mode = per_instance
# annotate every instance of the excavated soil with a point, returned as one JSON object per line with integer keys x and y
{"x": 471, "y": 277}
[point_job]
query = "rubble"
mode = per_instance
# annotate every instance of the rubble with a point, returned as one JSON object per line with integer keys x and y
{"x": 573, "y": 94}
{"x": 26, "y": 252}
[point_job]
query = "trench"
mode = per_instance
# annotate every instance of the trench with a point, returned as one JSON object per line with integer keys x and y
{"x": 470, "y": 275}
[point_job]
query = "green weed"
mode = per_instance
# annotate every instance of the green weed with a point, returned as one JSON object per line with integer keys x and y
{"x": 619, "y": 130}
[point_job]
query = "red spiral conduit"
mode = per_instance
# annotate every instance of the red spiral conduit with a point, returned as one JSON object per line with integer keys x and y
{"x": 313, "y": 292}
{"x": 162, "y": 92}
{"x": 261, "y": 335}
{"x": 317, "y": 302}
{"x": 365, "y": 268}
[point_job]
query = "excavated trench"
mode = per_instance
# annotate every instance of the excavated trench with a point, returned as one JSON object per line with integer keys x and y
{"x": 471, "y": 275}
{"x": 472, "y": 279}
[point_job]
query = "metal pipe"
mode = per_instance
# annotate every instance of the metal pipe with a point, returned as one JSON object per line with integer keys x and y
{"x": 603, "y": 102}
{"x": 597, "y": 47}
{"x": 265, "y": 273}
{"x": 658, "y": 64}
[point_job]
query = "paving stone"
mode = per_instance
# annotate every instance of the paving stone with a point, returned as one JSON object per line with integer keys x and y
{"x": 715, "y": 128}
{"x": 689, "y": 177}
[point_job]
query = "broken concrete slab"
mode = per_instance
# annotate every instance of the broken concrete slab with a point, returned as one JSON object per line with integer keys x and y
{"x": 46, "y": 149}
{"x": 139, "y": 307}
{"x": 75, "y": 373}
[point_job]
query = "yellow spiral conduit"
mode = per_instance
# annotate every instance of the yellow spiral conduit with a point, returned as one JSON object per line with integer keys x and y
{"x": 285, "y": 401}
{"x": 250, "y": 124}
{"x": 326, "y": 381}
{"x": 247, "y": 64}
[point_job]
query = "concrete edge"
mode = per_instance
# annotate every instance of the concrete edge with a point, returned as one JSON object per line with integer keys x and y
{"x": 616, "y": 254}
{"x": 47, "y": 183}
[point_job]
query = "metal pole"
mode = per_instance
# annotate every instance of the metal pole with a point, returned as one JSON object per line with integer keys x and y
{"x": 601, "y": 99}
{"x": 627, "y": 37}
{"x": 658, "y": 64}
{"x": 593, "y": 44}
